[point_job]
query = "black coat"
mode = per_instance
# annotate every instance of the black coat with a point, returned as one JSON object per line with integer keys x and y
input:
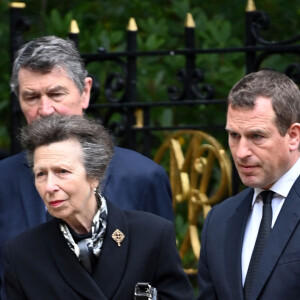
{"x": 40, "y": 265}
{"x": 132, "y": 182}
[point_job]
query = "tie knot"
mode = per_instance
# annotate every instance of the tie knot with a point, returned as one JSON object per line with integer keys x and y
{"x": 267, "y": 196}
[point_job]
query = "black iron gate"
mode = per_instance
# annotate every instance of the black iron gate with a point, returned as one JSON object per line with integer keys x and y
{"x": 120, "y": 88}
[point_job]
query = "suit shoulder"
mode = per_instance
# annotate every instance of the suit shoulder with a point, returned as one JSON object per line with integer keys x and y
{"x": 12, "y": 166}
{"x": 142, "y": 219}
{"x": 13, "y": 161}
{"x": 33, "y": 237}
{"x": 234, "y": 201}
{"x": 132, "y": 158}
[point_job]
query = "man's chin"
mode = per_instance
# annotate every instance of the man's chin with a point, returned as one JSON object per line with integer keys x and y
{"x": 251, "y": 181}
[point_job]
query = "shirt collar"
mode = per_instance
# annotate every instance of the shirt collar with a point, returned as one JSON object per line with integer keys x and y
{"x": 283, "y": 185}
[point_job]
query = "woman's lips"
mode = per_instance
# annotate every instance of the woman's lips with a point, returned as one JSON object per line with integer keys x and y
{"x": 56, "y": 203}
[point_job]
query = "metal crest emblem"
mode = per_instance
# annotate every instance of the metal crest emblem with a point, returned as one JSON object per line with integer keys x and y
{"x": 118, "y": 236}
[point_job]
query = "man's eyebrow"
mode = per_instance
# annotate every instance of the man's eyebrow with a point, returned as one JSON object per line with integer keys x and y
{"x": 57, "y": 88}
{"x": 29, "y": 93}
{"x": 228, "y": 129}
{"x": 249, "y": 132}
{"x": 257, "y": 131}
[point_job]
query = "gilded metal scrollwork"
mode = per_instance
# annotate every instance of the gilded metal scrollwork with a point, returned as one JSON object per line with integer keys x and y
{"x": 200, "y": 176}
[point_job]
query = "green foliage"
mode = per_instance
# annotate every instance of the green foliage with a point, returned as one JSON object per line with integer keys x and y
{"x": 4, "y": 77}
{"x": 160, "y": 27}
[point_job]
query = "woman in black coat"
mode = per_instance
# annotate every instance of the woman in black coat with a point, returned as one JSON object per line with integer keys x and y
{"x": 90, "y": 249}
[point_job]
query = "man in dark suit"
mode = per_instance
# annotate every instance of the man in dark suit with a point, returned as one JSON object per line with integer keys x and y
{"x": 49, "y": 77}
{"x": 237, "y": 261}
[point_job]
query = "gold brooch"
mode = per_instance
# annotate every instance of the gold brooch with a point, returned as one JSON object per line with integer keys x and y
{"x": 118, "y": 236}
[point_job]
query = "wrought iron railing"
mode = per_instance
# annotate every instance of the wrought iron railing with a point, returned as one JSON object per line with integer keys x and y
{"x": 120, "y": 88}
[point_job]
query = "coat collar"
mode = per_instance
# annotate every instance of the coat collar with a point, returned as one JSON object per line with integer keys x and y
{"x": 112, "y": 261}
{"x": 108, "y": 273}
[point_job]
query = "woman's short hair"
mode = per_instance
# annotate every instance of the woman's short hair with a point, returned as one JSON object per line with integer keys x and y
{"x": 96, "y": 142}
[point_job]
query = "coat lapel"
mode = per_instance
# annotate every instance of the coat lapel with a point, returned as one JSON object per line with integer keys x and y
{"x": 110, "y": 268}
{"x": 234, "y": 242}
{"x": 70, "y": 268}
{"x": 113, "y": 258}
{"x": 281, "y": 233}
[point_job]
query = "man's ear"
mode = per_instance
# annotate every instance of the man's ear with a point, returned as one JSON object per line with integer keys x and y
{"x": 294, "y": 135}
{"x": 88, "y": 81}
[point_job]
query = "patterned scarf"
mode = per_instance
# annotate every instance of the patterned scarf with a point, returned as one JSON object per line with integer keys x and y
{"x": 95, "y": 242}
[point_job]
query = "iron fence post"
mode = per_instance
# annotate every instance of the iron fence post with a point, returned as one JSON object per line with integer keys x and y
{"x": 249, "y": 38}
{"x": 74, "y": 33}
{"x": 190, "y": 58}
{"x": 18, "y": 24}
{"x": 130, "y": 90}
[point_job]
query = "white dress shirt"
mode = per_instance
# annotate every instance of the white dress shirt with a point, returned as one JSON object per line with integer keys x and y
{"x": 281, "y": 189}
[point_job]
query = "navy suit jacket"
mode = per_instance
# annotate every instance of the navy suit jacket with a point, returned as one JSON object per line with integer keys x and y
{"x": 222, "y": 239}
{"x": 132, "y": 182}
{"x": 40, "y": 265}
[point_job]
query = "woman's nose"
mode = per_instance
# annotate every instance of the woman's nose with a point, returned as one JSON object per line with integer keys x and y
{"x": 51, "y": 184}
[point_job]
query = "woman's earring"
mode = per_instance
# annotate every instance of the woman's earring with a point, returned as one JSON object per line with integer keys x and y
{"x": 95, "y": 190}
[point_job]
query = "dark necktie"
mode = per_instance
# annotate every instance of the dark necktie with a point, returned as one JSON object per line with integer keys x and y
{"x": 263, "y": 233}
{"x": 85, "y": 255}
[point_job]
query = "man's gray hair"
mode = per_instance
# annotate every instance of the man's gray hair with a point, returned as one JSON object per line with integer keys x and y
{"x": 46, "y": 53}
{"x": 96, "y": 142}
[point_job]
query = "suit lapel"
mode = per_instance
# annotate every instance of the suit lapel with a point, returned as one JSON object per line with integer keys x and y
{"x": 33, "y": 205}
{"x": 281, "y": 233}
{"x": 234, "y": 242}
{"x": 113, "y": 258}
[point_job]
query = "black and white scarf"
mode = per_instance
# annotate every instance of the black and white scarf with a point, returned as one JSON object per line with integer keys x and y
{"x": 98, "y": 228}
